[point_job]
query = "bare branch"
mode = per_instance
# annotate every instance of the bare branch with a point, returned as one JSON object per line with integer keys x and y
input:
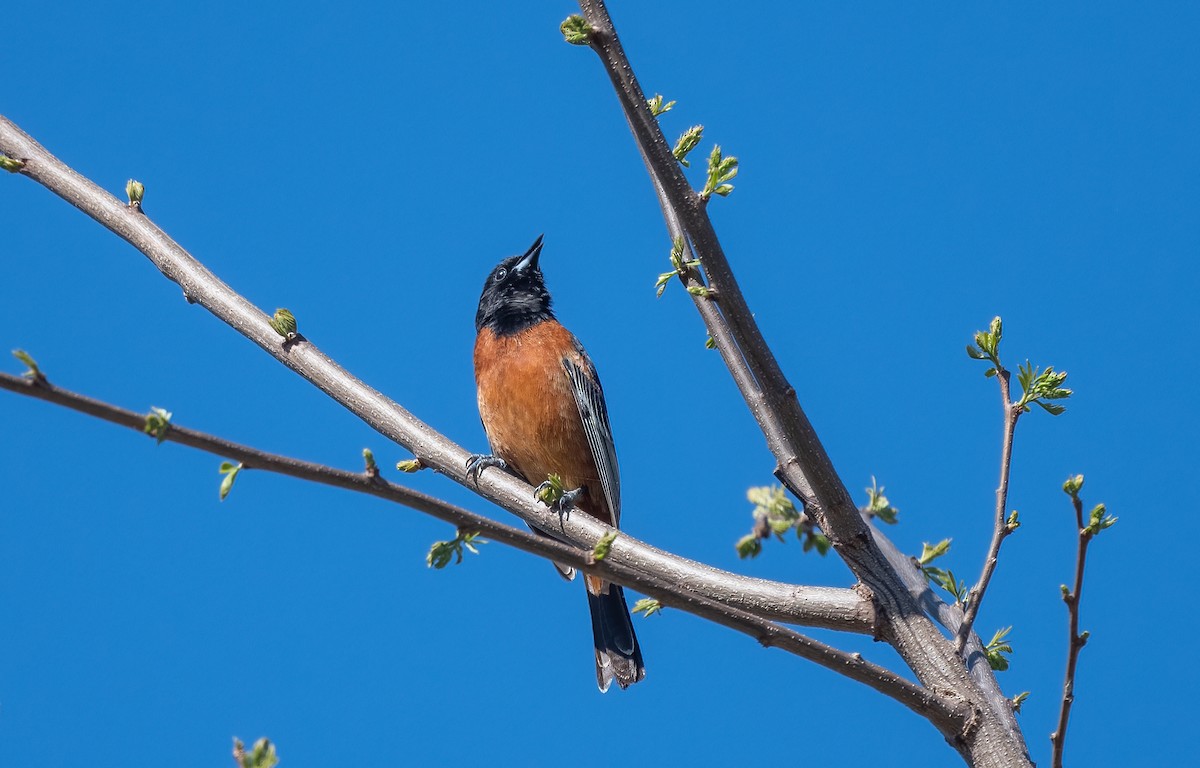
{"x": 1002, "y": 529}
{"x": 1076, "y": 640}
{"x": 766, "y": 632}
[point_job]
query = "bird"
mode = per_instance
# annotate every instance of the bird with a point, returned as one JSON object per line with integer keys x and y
{"x": 543, "y": 411}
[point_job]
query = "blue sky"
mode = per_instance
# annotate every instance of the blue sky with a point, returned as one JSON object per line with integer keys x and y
{"x": 907, "y": 173}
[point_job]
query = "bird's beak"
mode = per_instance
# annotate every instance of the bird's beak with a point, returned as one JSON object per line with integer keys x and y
{"x": 530, "y": 259}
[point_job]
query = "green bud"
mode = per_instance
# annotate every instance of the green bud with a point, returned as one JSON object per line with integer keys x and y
{"x": 135, "y": 191}
{"x": 158, "y": 421}
{"x": 1073, "y": 485}
{"x": 34, "y": 372}
{"x": 647, "y": 606}
{"x": 576, "y": 30}
{"x": 710, "y": 343}
{"x": 656, "y": 105}
{"x": 600, "y": 551}
{"x": 686, "y": 143}
{"x": 12, "y": 165}
{"x": 284, "y": 323}
{"x": 410, "y": 465}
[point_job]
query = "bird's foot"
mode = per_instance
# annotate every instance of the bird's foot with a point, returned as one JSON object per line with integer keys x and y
{"x": 477, "y": 462}
{"x": 554, "y": 495}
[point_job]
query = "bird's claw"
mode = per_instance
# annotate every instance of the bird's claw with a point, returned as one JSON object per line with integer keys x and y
{"x": 477, "y": 462}
{"x": 563, "y": 504}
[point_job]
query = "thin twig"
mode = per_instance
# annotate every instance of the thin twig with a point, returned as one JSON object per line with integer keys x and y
{"x": 1075, "y": 640}
{"x": 1001, "y": 530}
{"x": 766, "y": 632}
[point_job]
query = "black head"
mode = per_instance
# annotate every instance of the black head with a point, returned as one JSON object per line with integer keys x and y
{"x": 514, "y": 297}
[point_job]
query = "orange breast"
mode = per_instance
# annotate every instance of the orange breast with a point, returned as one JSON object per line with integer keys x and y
{"x": 529, "y": 412}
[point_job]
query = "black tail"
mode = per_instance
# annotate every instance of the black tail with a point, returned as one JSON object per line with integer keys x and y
{"x": 617, "y": 652}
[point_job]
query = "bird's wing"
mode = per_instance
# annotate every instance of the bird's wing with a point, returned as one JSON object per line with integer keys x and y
{"x": 589, "y": 396}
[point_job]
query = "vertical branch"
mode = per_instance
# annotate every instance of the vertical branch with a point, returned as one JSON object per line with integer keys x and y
{"x": 1098, "y": 521}
{"x": 1002, "y": 529}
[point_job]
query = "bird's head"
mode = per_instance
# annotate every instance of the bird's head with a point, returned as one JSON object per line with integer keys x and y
{"x": 514, "y": 297}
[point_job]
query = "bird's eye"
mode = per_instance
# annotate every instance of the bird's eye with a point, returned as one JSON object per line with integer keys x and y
{"x": 501, "y": 274}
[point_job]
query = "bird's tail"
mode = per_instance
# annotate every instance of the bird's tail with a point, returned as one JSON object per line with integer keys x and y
{"x": 618, "y": 655}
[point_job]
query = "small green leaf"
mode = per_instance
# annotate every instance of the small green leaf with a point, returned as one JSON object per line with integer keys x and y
{"x": 10, "y": 164}
{"x": 158, "y": 421}
{"x": 996, "y": 649}
{"x": 261, "y": 755}
{"x": 710, "y": 343}
{"x": 686, "y": 143}
{"x": 748, "y": 546}
{"x": 1018, "y": 700}
{"x": 647, "y": 606}
{"x": 698, "y": 290}
{"x": 442, "y": 552}
{"x": 284, "y": 323}
{"x": 1039, "y": 386}
{"x": 930, "y": 553}
{"x": 600, "y": 551}
{"x": 230, "y": 472}
{"x": 720, "y": 170}
{"x": 576, "y": 30}
{"x": 1098, "y": 520}
{"x": 657, "y": 107}
{"x": 33, "y": 371}
{"x": 661, "y": 283}
{"x": 878, "y": 504}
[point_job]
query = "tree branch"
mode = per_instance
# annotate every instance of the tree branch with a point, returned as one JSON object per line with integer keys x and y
{"x": 1001, "y": 530}
{"x": 803, "y": 465}
{"x": 766, "y": 632}
{"x": 1076, "y": 640}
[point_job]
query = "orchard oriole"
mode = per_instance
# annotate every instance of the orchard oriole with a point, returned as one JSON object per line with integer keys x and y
{"x": 544, "y": 413}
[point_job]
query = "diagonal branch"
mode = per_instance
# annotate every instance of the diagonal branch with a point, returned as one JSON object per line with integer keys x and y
{"x": 768, "y": 633}
{"x": 802, "y": 463}
{"x": 831, "y": 608}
